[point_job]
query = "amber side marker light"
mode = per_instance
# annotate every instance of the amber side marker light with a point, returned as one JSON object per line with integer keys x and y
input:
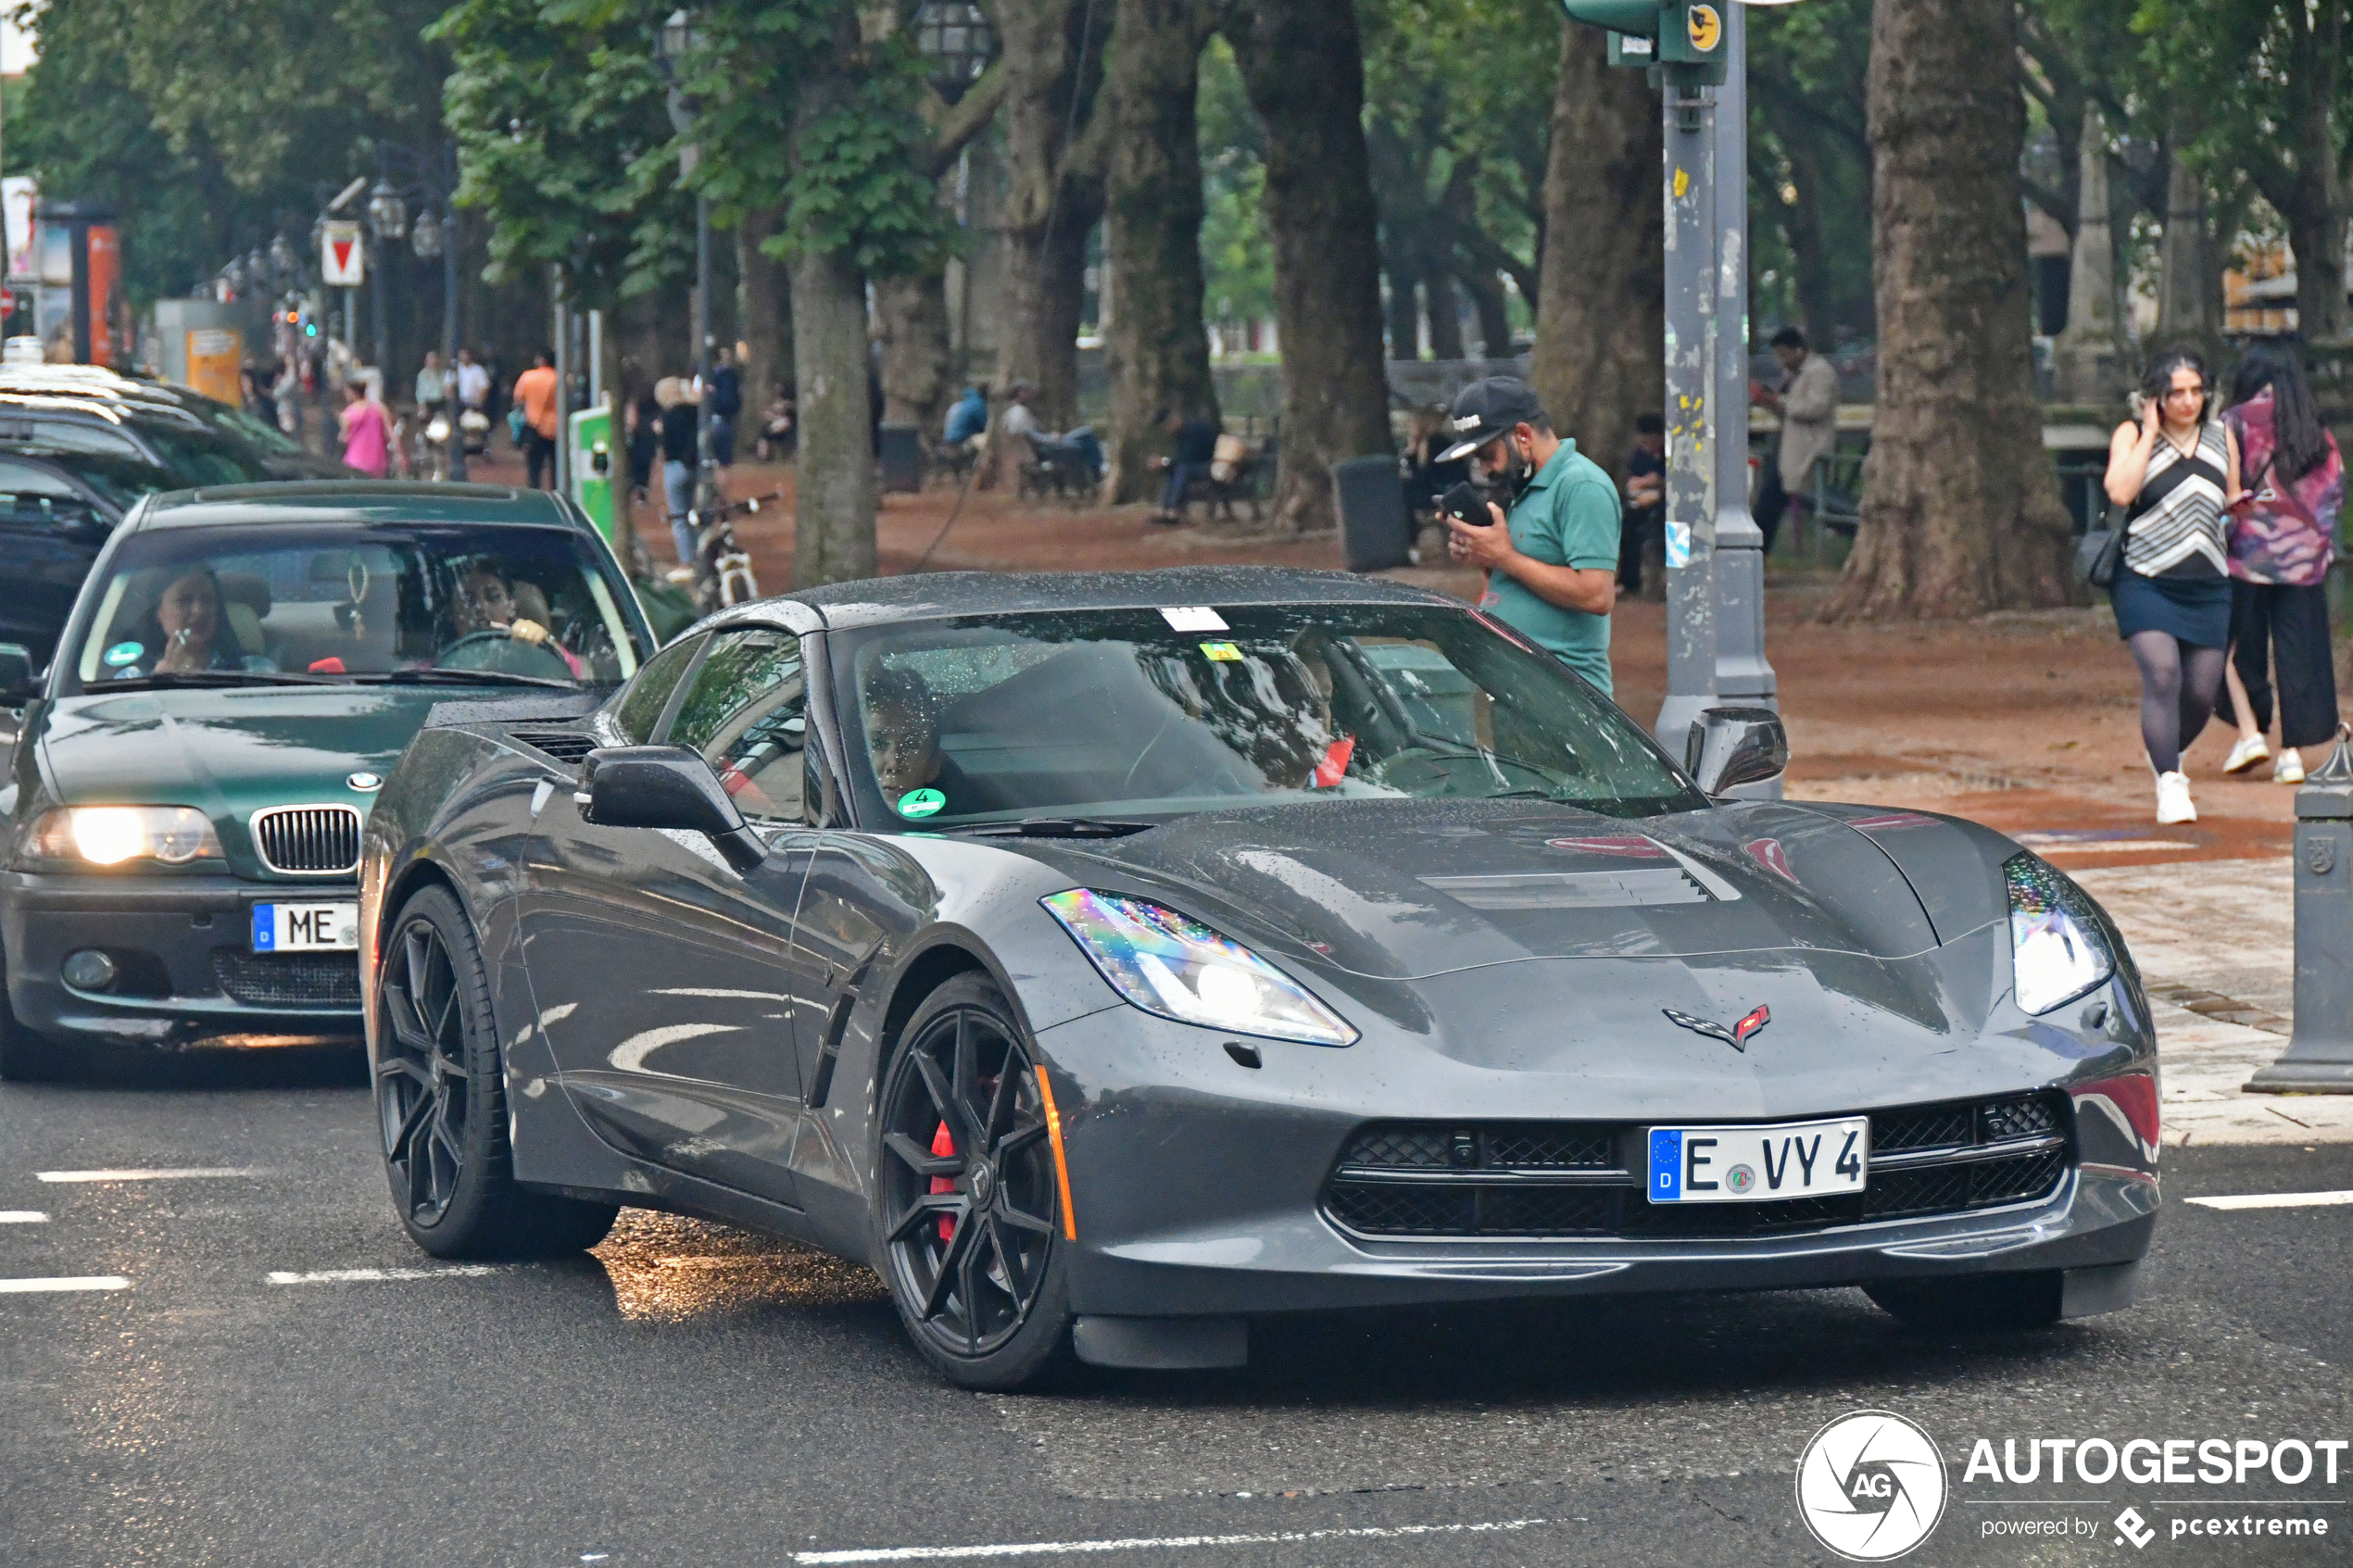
{"x": 1062, "y": 1168}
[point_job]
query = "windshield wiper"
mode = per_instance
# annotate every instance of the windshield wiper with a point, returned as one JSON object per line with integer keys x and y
{"x": 1053, "y": 827}
{"x": 469, "y": 677}
{"x": 211, "y": 678}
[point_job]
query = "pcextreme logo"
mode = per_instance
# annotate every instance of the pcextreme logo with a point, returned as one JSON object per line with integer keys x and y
{"x": 1870, "y": 1486}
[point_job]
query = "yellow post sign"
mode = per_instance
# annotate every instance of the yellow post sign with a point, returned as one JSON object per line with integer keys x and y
{"x": 1706, "y": 29}
{"x": 215, "y": 354}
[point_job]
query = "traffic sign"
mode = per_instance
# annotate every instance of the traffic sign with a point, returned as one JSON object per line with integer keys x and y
{"x": 7, "y": 302}
{"x": 341, "y": 262}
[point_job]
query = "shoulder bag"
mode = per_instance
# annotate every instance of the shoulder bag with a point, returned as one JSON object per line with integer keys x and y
{"x": 2100, "y": 553}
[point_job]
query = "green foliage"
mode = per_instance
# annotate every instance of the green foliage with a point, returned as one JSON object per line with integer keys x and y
{"x": 1237, "y": 254}
{"x": 554, "y": 108}
{"x": 209, "y": 147}
{"x": 561, "y": 111}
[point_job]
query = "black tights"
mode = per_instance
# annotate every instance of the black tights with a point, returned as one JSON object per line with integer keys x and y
{"x": 2179, "y": 682}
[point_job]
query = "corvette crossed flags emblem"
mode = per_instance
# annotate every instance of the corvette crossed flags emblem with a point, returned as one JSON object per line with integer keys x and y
{"x": 1736, "y": 1037}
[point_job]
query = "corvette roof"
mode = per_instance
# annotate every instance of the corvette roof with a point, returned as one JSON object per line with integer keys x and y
{"x": 929, "y": 596}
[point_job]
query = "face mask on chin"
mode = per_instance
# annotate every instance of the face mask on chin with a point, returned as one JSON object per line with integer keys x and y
{"x": 1507, "y": 484}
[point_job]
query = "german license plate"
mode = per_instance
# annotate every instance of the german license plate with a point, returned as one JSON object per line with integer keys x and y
{"x": 1754, "y": 1164}
{"x": 306, "y": 928}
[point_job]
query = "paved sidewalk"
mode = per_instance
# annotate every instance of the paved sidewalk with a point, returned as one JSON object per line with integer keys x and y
{"x": 2216, "y": 943}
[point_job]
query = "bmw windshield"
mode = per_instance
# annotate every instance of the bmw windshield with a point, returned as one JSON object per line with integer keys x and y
{"x": 1120, "y": 713}
{"x": 296, "y": 603}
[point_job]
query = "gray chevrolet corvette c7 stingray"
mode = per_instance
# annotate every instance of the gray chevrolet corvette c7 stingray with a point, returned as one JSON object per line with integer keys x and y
{"x": 1109, "y": 960}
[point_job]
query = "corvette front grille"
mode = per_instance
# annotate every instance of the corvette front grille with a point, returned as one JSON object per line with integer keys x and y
{"x": 1576, "y": 1180}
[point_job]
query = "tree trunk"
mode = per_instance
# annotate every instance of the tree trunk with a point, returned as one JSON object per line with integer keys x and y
{"x": 1494, "y": 320}
{"x": 1601, "y": 318}
{"x": 1302, "y": 66}
{"x": 1156, "y": 347}
{"x": 918, "y": 382}
{"x": 834, "y": 510}
{"x": 2316, "y": 206}
{"x": 764, "y": 308}
{"x": 1960, "y": 510}
{"x": 2189, "y": 301}
{"x": 1802, "y": 225}
{"x": 1052, "y": 197}
{"x": 2316, "y": 229}
{"x": 1445, "y": 315}
{"x": 1401, "y": 311}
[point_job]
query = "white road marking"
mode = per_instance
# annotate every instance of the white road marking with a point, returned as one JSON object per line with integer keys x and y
{"x": 167, "y": 1174}
{"x": 2275, "y": 1201}
{"x": 1148, "y": 1543}
{"x": 64, "y": 1282}
{"x": 22, "y": 1217}
{"x": 364, "y": 1277}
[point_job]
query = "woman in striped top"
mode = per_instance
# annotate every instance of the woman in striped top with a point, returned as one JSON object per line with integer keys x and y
{"x": 2176, "y": 471}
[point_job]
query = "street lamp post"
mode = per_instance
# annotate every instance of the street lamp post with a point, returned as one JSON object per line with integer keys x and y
{"x": 1696, "y": 51}
{"x": 673, "y": 46}
{"x": 432, "y": 180}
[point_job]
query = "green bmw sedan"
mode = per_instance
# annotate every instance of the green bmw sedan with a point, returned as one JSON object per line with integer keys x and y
{"x": 180, "y": 817}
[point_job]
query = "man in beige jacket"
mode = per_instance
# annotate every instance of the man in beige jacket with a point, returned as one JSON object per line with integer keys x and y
{"x": 1807, "y": 404}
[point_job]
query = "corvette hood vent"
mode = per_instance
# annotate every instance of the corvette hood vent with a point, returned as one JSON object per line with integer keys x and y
{"x": 568, "y": 746}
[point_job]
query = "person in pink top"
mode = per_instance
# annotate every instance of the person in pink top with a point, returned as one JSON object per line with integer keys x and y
{"x": 2282, "y": 538}
{"x": 367, "y": 440}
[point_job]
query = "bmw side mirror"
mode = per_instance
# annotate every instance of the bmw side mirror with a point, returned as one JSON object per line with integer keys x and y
{"x": 1732, "y": 747}
{"x": 665, "y": 786}
{"x": 16, "y": 675}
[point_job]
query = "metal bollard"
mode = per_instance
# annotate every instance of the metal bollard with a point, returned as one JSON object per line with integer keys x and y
{"x": 2319, "y": 1059}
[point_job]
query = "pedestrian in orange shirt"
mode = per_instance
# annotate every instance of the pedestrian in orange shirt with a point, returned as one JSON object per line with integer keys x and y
{"x": 536, "y": 396}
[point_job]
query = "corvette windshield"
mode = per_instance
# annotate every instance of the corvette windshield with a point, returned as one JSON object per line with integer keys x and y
{"x": 299, "y": 603}
{"x": 1117, "y": 713}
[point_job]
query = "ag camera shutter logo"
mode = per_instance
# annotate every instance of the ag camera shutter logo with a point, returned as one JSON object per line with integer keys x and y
{"x": 1870, "y": 1486}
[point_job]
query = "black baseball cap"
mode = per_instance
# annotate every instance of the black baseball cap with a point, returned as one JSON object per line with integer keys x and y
{"x": 1486, "y": 410}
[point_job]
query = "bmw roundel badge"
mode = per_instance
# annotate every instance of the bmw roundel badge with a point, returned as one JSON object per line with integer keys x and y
{"x": 365, "y": 783}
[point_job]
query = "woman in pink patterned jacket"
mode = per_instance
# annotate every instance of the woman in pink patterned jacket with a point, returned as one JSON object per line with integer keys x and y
{"x": 2282, "y": 539}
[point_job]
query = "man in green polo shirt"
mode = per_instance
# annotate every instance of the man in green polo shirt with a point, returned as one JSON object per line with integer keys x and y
{"x": 1552, "y": 565}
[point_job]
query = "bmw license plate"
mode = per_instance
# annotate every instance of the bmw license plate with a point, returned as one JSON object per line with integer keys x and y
{"x": 1754, "y": 1164}
{"x": 306, "y": 928}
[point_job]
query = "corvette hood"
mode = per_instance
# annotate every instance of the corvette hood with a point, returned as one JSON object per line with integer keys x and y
{"x": 228, "y": 752}
{"x": 1393, "y": 891}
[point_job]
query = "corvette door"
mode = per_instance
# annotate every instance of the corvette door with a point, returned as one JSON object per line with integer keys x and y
{"x": 659, "y": 971}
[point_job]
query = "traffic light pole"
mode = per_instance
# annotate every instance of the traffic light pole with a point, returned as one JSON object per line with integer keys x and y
{"x": 1743, "y": 675}
{"x": 1691, "y": 468}
{"x": 1696, "y": 51}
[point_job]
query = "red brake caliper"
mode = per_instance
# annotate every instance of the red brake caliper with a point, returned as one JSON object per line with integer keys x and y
{"x": 943, "y": 1148}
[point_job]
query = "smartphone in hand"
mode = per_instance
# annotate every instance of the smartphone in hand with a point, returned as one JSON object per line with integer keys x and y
{"x": 1467, "y": 504}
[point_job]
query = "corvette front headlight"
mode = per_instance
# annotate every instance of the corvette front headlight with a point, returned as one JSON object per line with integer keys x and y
{"x": 108, "y": 835}
{"x": 2057, "y": 950}
{"x": 1173, "y": 965}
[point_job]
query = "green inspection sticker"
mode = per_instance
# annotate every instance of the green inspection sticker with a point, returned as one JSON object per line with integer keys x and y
{"x": 124, "y": 653}
{"x": 1222, "y": 653}
{"x": 921, "y": 802}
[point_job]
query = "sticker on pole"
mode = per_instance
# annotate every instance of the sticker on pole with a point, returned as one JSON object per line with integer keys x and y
{"x": 341, "y": 258}
{"x": 1679, "y": 543}
{"x": 1706, "y": 28}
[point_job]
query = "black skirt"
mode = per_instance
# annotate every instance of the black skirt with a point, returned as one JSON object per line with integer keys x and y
{"x": 2190, "y": 609}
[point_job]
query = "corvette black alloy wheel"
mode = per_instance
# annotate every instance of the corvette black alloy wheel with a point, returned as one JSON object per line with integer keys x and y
{"x": 421, "y": 1079}
{"x": 966, "y": 1193}
{"x": 441, "y": 1105}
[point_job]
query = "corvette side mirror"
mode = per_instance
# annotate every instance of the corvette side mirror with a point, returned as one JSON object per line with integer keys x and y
{"x": 665, "y": 786}
{"x": 16, "y": 675}
{"x": 1731, "y": 747}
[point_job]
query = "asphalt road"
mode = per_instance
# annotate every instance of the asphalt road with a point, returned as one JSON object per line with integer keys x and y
{"x": 693, "y": 1394}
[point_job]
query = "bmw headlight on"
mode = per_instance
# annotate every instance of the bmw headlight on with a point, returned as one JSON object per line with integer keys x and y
{"x": 1173, "y": 965}
{"x": 108, "y": 835}
{"x": 2057, "y": 950}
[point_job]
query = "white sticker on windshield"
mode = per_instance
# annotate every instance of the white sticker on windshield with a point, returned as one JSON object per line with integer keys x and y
{"x": 1193, "y": 618}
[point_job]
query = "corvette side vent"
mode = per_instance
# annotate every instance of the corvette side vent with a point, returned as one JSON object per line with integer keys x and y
{"x": 568, "y": 746}
{"x": 309, "y": 840}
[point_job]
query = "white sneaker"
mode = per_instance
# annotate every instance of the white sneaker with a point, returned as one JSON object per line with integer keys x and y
{"x": 2173, "y": 804}
{"x": 2246, "y": 754}
{"x": 2289, "y": 768}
